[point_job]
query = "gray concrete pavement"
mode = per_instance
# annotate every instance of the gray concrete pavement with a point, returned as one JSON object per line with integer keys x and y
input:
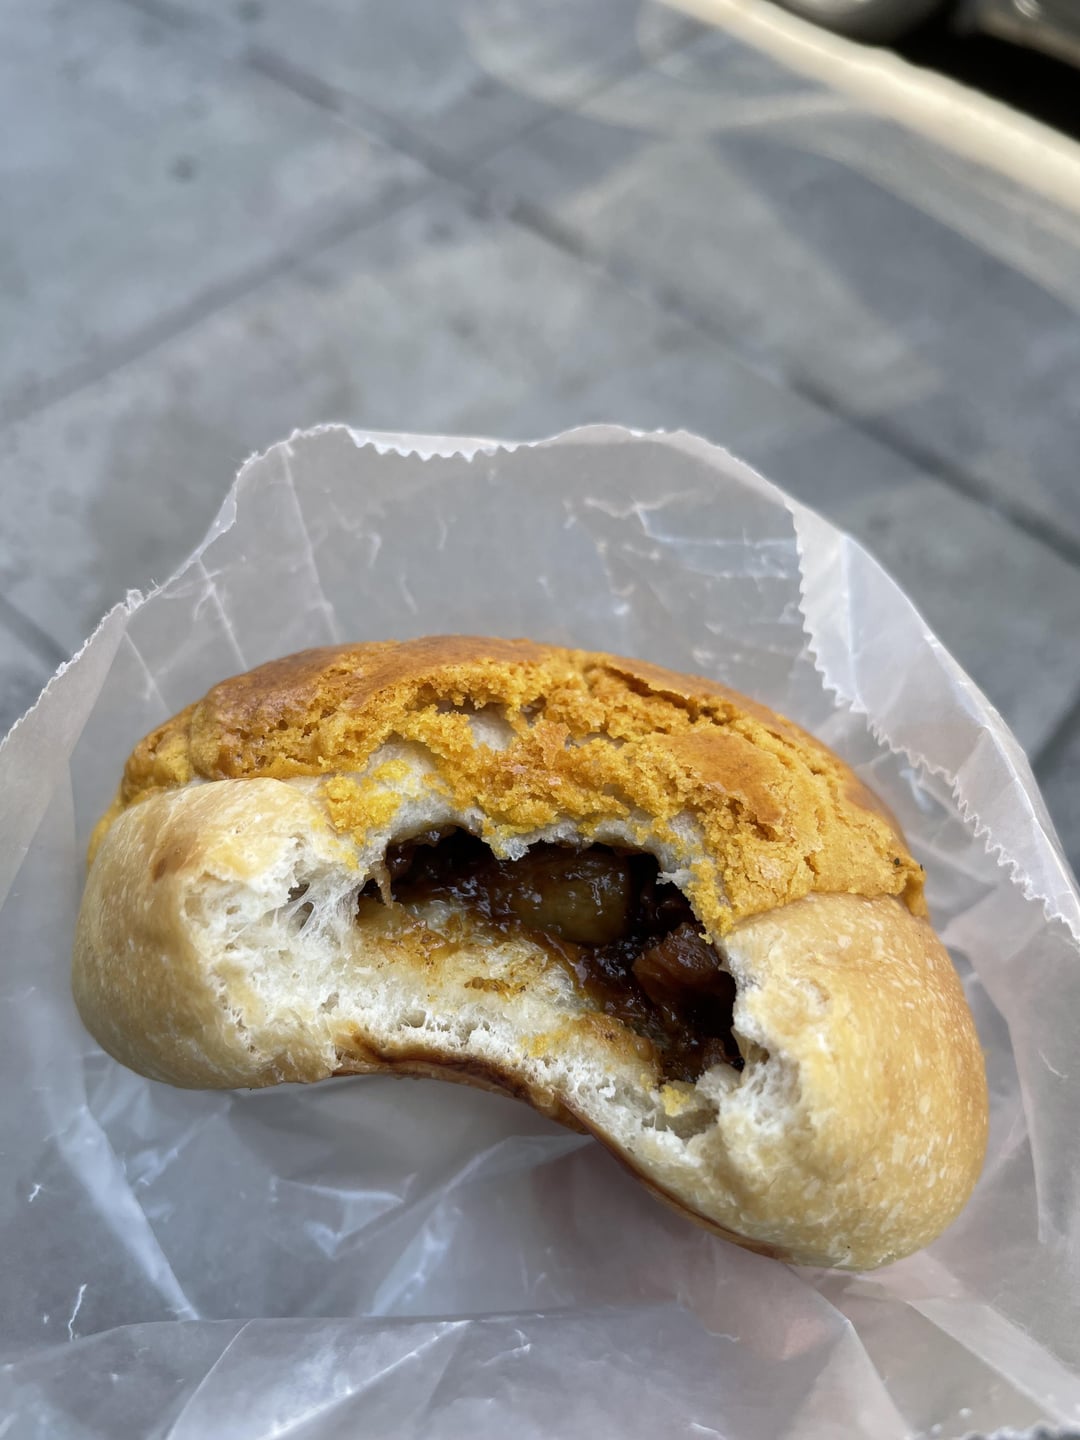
{"x": 486, "y": 216}
{"x": 463, "y": 79}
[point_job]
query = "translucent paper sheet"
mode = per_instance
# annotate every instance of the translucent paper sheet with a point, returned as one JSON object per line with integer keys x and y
{"x": 386, "y": 1257}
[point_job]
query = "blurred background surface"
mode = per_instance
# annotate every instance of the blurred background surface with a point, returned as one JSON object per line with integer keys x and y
{"x": 221, "y": 221}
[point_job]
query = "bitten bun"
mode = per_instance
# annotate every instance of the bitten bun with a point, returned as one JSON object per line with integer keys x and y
{"x": 652, "y": 908}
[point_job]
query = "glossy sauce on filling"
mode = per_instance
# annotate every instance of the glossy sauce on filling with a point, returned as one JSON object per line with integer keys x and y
{"x": 630, "y": 940}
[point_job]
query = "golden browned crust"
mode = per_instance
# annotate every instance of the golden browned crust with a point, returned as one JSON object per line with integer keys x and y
{"x": 595, "y": 738}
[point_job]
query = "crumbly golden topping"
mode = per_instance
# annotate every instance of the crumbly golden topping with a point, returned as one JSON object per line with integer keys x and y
{"x": 594, "y": 739}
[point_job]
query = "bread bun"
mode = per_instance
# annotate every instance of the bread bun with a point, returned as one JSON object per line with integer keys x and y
{"x": 648, "y": 906}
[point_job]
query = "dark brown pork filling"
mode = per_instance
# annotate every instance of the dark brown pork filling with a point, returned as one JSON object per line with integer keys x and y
{"x": 629, "y": 939}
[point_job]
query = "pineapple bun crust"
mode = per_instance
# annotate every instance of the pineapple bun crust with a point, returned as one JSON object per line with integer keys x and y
{"x": 582, "y": 736}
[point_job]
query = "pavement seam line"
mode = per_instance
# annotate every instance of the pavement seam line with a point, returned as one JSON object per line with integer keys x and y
{"x": 33, "y": 636}
{"x": 301, "y": 83}
{"x": 211, "y": 301}
{"x": 298, "y": 80}
{"x": 396, "y": 136}
{"x": 1030, "y": 522}
{"x": 532, "y": 217}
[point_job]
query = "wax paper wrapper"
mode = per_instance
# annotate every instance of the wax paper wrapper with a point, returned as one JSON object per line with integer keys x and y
{"x": 384, "y": 1257}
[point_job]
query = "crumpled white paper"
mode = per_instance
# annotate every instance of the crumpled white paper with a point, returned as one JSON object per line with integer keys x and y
{"x": 382, "y": 1257}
